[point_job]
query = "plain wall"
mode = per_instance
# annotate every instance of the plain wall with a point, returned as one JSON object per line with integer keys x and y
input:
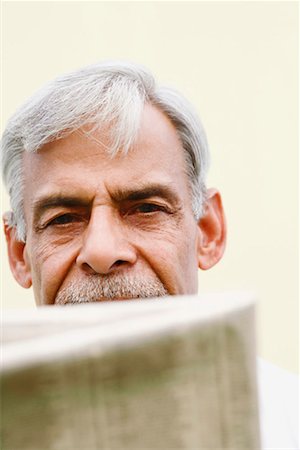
{"x": 238, "y": 63}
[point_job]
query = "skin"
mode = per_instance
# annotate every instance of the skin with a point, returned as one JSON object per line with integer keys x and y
{"x": 87, "y": 213}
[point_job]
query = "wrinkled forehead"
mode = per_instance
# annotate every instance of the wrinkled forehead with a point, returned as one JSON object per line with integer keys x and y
{"x": 84, "y": 159}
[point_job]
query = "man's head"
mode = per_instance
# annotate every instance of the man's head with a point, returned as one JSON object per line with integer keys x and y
{"x": 106, "y": 175}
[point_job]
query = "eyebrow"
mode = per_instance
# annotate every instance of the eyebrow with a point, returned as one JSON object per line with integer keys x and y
{"x": 144, "y": 192}
{"x": 51, "y": 201}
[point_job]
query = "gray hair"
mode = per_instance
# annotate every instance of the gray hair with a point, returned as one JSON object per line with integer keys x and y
{"x": 110, "y": 93}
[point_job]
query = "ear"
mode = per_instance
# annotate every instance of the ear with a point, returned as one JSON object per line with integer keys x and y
{"x": 18, "y": 260}
{"x": 212, "y": 231}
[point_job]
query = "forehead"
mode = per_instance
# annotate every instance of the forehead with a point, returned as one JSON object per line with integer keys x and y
{"x": 83, "y": 162}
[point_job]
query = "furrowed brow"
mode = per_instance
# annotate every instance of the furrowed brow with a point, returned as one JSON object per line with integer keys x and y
{"x": 43, "y": 204}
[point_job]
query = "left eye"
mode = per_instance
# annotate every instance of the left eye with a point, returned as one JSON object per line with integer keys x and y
{"x": 64, "y": 219}
{"x": 147, "y": 208}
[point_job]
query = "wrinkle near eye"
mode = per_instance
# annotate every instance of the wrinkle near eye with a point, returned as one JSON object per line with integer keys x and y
{"x": 148, "y": 208}
{"x": 64, "y": 219}
{"x": 61, "y": 218}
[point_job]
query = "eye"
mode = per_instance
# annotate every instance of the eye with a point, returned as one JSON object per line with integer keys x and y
{"x": 64, "y": 219}
{"x": 147, "y": 208}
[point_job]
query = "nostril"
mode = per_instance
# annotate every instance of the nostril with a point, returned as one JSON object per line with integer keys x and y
{"x": 87, "y": 268}
{"x": 118, "y": 263}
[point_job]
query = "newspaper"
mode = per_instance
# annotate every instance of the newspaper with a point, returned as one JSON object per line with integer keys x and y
{"x": 168, "y": 373}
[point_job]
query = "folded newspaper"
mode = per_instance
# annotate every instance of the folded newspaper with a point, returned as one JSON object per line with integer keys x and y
{"x": 168, "y": 373}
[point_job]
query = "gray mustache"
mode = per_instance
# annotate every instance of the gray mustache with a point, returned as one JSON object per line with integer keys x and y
{"x": 95, "y": 288}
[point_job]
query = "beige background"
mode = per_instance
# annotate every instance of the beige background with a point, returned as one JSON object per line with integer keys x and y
{"x": 238, "y": 63}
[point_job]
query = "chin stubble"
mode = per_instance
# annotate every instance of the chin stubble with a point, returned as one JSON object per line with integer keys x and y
{"x": 95, "y": 288}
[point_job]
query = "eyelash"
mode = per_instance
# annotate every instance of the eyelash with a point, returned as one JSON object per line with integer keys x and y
{"x": 71, "y": 218}
{"x": 152, "y": 206}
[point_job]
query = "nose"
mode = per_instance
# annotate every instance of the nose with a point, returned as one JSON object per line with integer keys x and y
{"x": 105, "y": 246}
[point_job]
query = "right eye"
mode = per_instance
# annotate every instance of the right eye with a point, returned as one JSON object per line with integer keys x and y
{"x": 64, "y": 219}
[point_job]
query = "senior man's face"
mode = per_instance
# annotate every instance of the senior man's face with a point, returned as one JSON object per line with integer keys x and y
{"x": 102, "y": 228}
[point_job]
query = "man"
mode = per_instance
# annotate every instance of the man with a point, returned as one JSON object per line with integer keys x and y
{"x": 106, "y": 175}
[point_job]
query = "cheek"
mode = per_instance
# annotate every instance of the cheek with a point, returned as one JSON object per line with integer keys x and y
{"x": 51, "y": 264}
{"x": 171, "y": 254}
{"x": 187, "y": 264}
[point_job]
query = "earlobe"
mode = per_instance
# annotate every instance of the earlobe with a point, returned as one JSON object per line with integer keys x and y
{"x": 18, "y": 260}
{"x": 212, "y": 232}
